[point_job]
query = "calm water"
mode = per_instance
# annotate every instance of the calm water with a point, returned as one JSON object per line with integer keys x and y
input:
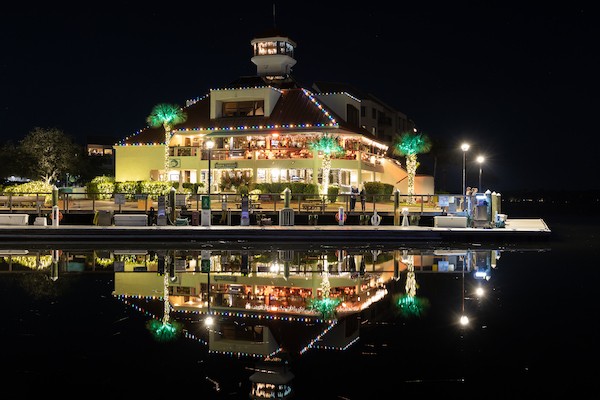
{"x": 78, "y": 317}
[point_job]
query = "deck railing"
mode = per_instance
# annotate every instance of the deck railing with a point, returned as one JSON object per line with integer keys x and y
{"x": 265, "y": 202}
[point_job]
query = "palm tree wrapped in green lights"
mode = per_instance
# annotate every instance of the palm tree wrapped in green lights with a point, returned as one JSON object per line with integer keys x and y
{"x": 328, "y": 145}
{"x": 167, "y": 116}
{"x": 410, "y": 144}
{"x": 166, "y": 329}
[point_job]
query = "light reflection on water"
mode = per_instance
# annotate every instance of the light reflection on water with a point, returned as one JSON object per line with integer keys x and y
{"x": 412, "y": 314}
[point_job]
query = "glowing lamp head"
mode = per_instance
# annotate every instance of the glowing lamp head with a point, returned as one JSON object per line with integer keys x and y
{"x": 210, "y": 144}
{"x": 465, "y": 146}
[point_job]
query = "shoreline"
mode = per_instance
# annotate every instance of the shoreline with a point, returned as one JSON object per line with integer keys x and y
{"x": 515, "y": 230}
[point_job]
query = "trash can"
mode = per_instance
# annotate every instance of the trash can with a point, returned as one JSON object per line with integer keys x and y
{"x": 195, "y": 218}
{"x": 103, "y": 218}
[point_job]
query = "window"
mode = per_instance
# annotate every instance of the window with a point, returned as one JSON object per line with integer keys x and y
{"x": 363, "y": 111}
{"x": 275, "y": 47}
{"x": 374, "y": 113}
{"x": 352, "y": 115}
{"x": 244, "y": 108}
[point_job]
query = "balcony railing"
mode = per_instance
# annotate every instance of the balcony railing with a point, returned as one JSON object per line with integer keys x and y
{"x": 267, "y": 154}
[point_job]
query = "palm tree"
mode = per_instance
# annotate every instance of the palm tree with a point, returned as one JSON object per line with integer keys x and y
{"x": 328, "y": 145}
{"x": 410, "y": 144}
{"x": 166, "y": 115}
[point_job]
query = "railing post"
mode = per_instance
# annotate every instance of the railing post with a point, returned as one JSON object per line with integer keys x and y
{"x": 54, "y": 196}
{"x": 287, "y": 195}
{"x": 397, "y": 207}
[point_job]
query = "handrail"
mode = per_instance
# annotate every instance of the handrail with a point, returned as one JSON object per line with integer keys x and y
{"x": 94, "y": 201}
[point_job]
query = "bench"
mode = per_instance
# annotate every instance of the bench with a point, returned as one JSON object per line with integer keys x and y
{"x": 449, "y": 221}
{"x": 14, "y": 219}
{"x": 22, "y": 201}
{"x": 313, "y": 205}
{"x": 130, "y": 219}
{"x": 251, "y": 205}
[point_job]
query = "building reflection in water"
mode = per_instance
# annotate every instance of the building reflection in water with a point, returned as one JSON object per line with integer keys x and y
{"x": 265, "y": 304}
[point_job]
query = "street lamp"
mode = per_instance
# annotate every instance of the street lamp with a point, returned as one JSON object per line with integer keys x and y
{"x": 464, "y": 147}
{"x": 480, "y": 160}
{"x": 209, "y": 145}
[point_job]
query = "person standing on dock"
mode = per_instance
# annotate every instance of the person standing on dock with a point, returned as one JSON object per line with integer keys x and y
{"x": 353, "y": 193}
{"x": 363, "y": 198}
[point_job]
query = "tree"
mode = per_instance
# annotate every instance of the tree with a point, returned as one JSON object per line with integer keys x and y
{"x": 12, "y": 161}
{"x": 50, "y": 153}
{"x": 409, "y": 145}
{"x": 167, "y": 116}
{"x": 328, "y": 145}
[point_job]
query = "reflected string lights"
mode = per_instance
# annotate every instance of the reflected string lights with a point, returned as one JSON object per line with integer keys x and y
{"x": 241, "y": 291}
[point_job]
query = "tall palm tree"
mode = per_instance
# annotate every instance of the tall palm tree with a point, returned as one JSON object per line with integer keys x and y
{"x": 166, "y": 115}
{"x": 328, "y": 145}
{"x": 409, "y": 145}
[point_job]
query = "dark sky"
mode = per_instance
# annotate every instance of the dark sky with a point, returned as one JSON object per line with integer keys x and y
{"x": 519, "y": 82}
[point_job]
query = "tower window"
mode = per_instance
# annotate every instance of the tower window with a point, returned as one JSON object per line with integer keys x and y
{"x": 275, "y": 47}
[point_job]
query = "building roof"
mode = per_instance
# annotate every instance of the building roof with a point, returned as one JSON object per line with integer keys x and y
{"x": 296, "y": 110}
{"x": 339, "y": 87}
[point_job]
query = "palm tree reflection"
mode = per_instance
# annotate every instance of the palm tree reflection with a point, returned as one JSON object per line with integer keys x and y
{"x": 408, "y": 303}
{"x": 325, "y": 304}
{"x": 164, "y": 330}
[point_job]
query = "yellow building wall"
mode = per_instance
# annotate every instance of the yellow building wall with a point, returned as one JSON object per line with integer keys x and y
{"x": 134, "y": 163}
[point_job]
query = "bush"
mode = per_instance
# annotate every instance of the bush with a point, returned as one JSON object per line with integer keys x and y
{"x": 101, "y": 187}
{"x": 154, "y": 188}
{"x": 129, "y": 188}
{"x": 231, "y": 181}
{"x": 382, "y": 190}
{"x": 254, "y": 195}
{"x": 311, "y": 191}
{"x": 332, "y": 193}
{"x": 243, "y": 189}
{"x": 32, "y": 188}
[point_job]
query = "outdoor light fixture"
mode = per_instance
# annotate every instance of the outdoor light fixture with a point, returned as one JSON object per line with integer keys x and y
{"x": 480, "y": 160}
{"x": 464, "y": 147}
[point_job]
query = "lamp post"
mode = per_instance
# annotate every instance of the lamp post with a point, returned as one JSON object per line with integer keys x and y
{"x": 209, "y": 145}
{"x": 480, "y": 160}
{"x": 464, "y": 147}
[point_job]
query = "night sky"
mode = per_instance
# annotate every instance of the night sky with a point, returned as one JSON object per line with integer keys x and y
{"x": 516, "y": 81}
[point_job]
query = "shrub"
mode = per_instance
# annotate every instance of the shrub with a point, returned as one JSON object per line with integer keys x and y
{"x": 332, "y": 193}
{"x": 382, "y": 190}
{"x": 311, "y": 191}
{"x": 129, "y": 188}
{"x": 243, "y": 189}
{"x": 254, "y": 195}
{"x": 154, "y": 188}
{"x": 32, "y": 188}
{"x": 101, "y": 187}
